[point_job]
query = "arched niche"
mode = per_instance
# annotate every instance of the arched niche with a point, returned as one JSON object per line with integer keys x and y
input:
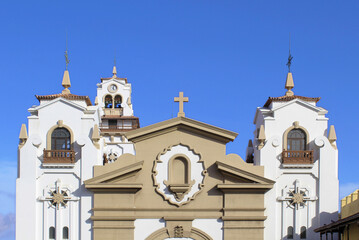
{"x": 295, "y": 126}
{"x": 179, "y": 176}
{"x": 179, "y": 169}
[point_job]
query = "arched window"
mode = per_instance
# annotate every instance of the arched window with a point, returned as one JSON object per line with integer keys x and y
{"x": 118, "y": 101}
{"x": 60, "y": 139}
{"x": 65, "y": 233}
{"x": 303, "y": 232}
{"x": 180, "y": 170}
{"x": 290, "y": 233}
{"x": 296, "y": 140}
{"x": 108, "y": 101}
{"x": 52, "y": 234}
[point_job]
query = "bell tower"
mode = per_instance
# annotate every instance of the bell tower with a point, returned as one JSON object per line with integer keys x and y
{"x": 116, "y": 117}
{"x": 298, "y": 151}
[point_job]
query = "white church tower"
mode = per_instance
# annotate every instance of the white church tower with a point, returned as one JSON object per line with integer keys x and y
{"x": 298, "y": 151}
{"x": 66, "y": 137}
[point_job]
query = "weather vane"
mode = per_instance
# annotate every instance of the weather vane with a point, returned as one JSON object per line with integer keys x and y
{"x": 290, "y": 57}
{"x": 66, "y": 55}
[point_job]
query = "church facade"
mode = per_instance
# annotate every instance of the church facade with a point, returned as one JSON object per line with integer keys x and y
{"x": 88, "y": 171}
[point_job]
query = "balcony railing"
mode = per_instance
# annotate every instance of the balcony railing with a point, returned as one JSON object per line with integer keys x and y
{"x": 119, "y": 127}
{"x": 59, "y": 156}
{"x": 113, "y": 111}
{"x": 297, "y": 157}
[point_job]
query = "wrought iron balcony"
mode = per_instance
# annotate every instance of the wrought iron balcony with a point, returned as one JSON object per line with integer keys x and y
{"x": 59, "y": 156}
{"x": 297, "y": 157}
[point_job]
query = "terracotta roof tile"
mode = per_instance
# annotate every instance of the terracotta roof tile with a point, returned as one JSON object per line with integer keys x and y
{"x": 66, "y": 96}
{"x": 289, "y": 98}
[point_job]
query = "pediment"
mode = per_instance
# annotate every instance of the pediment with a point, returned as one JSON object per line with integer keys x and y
{"x": 60, "y": 99}
{"x": 117, "y": 179}
{"x": 242, "y": 176}
{"x": 182, "y": 124}
{"x": 121, "y": 81}
{"x": 301, "y": 103}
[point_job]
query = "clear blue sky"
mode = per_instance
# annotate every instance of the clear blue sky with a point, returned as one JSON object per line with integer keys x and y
{"x": 227, "y": 57}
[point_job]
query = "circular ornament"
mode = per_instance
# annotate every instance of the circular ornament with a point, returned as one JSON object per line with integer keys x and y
{"x": 112, "y": 88}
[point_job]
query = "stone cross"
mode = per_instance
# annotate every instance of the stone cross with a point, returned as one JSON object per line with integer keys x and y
{"x": 181, "y": 99}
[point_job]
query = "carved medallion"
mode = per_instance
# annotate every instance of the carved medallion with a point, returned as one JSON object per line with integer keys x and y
{"x": 178, "y": 174}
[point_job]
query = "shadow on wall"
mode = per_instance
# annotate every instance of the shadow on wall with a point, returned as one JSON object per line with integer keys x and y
{"x": 309, "y": 234}
{"x": 321, "y": 220}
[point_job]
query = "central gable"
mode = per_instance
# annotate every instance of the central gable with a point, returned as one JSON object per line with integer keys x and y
{"x": 180, "y": 173}
{"x": 183, "y": 124}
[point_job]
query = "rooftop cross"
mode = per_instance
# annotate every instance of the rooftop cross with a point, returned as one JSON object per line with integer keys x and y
{"x": 181, "y": 99}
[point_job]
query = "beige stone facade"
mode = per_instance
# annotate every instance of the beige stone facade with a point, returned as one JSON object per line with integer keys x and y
{"x": 202, "y": 183}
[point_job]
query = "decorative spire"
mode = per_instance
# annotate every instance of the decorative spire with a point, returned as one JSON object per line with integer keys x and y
{"x": 261, "y": 134}
{"x": 95, "y": 136}
{"x": 23, "y": 132}
{"x": 114, "y": 71}
{"x": 289, "y": 84}
{"x": 332, "y": 137}
{"x": 95, "y": 133}
{"x": 66, "y": 78}
{"x": 66, "y": 82}
{"x": 250, "y": 143}
{"x": 23, "y": 135}
{"x": 261, "y": 137}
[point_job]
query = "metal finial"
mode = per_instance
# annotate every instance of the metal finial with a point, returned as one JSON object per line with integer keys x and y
{"x": 290, "y": 57}
{"x": 66, "y": 55}
{"x": 67, "y": 59}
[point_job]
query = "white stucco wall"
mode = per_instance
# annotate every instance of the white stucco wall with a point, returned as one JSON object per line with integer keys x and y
{"x": 321, "y": 177}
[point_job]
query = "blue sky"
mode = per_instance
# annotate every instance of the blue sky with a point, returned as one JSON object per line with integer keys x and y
{"x": 227, "y": 57}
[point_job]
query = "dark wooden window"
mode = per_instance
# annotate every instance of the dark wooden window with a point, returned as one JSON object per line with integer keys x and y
{"x": 52, "y": 234}
{"x": 303, "y": 232}
{"x": 108, "y": 101}
{"x": 118, "y": 101}
{"x": 65, "y": 233}
{"x": 290, "y": 233}
{"x": 60, "y": 139}
{"x": 296, "y": 140}
{"x": 112, "y": 124}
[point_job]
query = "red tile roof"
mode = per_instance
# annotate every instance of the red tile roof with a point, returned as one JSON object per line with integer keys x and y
{"x": 66, "y": 96}
{"x": 289, "y": 98}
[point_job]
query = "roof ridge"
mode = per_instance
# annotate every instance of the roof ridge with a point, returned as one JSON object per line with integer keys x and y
{"x": 289, "y": 98}
{"x": 68, "y": 96}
